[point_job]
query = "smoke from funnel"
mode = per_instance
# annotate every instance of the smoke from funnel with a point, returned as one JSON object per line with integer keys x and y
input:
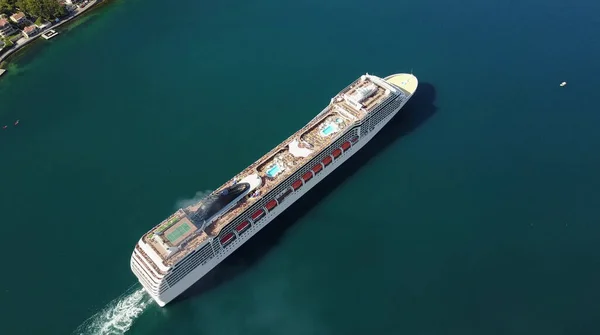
{"x": 182, "y": 203}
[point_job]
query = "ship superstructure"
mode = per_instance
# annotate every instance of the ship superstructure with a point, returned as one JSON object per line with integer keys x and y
{"x": 188, "y": 244}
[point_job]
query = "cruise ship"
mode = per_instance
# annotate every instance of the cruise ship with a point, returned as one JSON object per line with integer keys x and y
{"x": 184, "y": 247}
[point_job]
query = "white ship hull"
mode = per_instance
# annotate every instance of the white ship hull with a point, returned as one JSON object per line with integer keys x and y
{"x": 199, "y": 272}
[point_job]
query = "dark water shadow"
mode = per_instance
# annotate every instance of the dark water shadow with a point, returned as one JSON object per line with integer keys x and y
{"x": 418, "y": 110}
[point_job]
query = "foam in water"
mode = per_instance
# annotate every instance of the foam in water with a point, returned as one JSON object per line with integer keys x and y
{"x": 118, "y": 315}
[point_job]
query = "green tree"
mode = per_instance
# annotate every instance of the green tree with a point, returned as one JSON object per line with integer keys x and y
{"x": 46, "y": 9}
{"x": 7, "y": 6}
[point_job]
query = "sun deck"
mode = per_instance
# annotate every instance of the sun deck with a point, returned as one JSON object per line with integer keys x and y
{"x": 183, "y": 235}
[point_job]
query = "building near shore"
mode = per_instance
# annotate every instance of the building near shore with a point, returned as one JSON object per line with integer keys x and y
{"x": 43, "y": 25}
{"x": 71, "y": 2}
{"x": 18, "y": 18}
{"x": 30, "y": 31}
{"x": 6, "y": 29}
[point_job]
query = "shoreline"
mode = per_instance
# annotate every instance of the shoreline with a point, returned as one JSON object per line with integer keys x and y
{"x": 5, "y": 58}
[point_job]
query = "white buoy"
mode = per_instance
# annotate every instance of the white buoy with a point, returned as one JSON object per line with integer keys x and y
{"x": 564, "y": 83}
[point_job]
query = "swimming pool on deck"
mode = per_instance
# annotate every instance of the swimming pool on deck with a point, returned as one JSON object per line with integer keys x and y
{"x": 273, "y": 170}
{"x": 328, "y": 130}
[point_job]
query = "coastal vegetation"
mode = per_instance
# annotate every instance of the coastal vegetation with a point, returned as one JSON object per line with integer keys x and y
{"x": 7, "y": 42}
{"x": 45, "y": 9}
{"x": 10, "y": 40}
{"x": 47, "y": 15}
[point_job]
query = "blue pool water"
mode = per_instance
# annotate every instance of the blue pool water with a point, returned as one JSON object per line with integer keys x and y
{"x": 328, "y": 130}
{"x": 273, "y": 171}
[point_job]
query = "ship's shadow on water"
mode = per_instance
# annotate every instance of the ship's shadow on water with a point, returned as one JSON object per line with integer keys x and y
{"x": 418, "y": 110}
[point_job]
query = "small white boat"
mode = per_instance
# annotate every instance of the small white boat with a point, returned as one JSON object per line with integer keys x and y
{"x": 564, "y": 83}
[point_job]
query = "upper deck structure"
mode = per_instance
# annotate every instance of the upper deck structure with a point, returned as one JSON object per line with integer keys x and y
{"x": 188, "y": 228}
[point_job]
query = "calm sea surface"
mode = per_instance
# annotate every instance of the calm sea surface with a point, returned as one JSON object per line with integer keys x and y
{"x": 476, "y": 211}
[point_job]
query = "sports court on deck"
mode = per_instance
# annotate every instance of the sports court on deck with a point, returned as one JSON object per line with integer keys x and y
{"x": 180, "y": 231}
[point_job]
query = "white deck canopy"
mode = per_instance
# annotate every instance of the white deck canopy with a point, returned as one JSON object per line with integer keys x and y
{"x": 297, "y": 151}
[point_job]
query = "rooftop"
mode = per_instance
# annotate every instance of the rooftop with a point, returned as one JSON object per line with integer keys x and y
{"x": 29, "y": 29}
{"x": 183, "y": 231}
{"x": 17, "y": 16}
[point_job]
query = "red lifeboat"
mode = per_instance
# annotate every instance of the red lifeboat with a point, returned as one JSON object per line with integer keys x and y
{"x": 327, "y": 160}
{"x": 242, "y": 226}
{"x": 307, "y": 176}
{"x": 257, "y": 215}
{"x": 317, "y": 168}
{"x": 297, "y": 184}
{"x": 346, "y": 145}
{"x": 337, "y": 152}
{"x": 227, "y": 239}
{"x": 271, "y": 204}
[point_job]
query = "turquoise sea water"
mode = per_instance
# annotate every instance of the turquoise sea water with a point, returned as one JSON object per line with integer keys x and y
{"x": 475, "y": 211}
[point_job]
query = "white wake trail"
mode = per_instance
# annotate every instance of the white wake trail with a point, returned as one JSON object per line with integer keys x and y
{"x": 118, "y": 315}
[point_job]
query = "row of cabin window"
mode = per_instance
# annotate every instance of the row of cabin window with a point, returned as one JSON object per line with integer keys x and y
{"x": 200, "y": 256}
